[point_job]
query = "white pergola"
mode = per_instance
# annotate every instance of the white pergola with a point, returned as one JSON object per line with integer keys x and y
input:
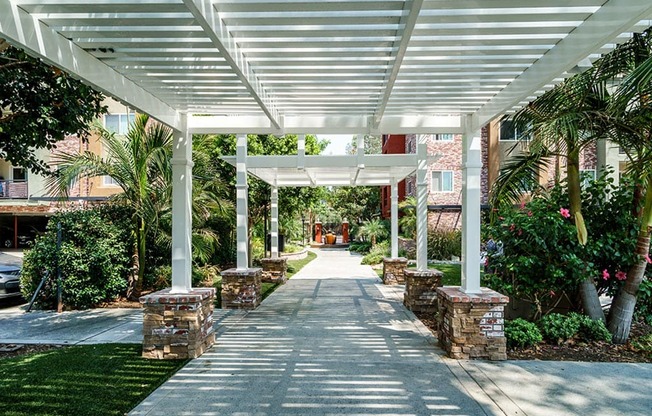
{"x": 333, "y": 66}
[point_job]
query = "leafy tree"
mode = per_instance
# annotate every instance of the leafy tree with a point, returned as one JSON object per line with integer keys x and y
{"x": 372, "y": 145}
{"x": 39, "y": 106}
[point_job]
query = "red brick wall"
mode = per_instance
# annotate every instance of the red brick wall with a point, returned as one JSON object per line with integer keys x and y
{"x": 392, "y": 144}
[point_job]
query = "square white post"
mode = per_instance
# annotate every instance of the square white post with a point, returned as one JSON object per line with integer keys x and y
{"x": 242, "y": 208}
{"x": 274, "y": 228}
{"x": 422, "y": 203}
{"x": 182, "y": 210}
{"x": 471, "y": 192}
{"x": 394, "y": 218}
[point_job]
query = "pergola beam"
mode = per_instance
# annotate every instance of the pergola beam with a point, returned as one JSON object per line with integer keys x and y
{"x": 408, "y": 22}
{"x": 36, "y": 38}
{"x": 613, "y": 18}
{"x": 208, "y": 18}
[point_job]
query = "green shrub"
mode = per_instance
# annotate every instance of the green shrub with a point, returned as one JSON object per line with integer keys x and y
{"x": 589, "y": 329}
{"x": 361, "y": 247}
{"x": 521, "y": 333}
{"x": 94, "y": 260}
{"x": 643, "y": 343}
{"x": 443, "y": 244}
{"x": 377, "y": 253}
{"x": 558, "y": 328}
{"x": 644, "y": 301}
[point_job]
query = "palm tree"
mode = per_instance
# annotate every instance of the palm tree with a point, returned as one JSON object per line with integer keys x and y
{"x": 139, "y": 165}
{"x": 408, "y": 221}
{"x": 630, "y": 116}
{"x": 373, "y": 229}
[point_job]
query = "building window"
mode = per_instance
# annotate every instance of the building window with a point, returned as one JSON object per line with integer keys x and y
{"x": 108, "y": 180}
{"x": 508, "y": 131}
{"x": 444, "y": 137}
{"x": 118, "y": 123}
{"x": 19, "y": 175}
{"x": 410, "y": 147}
{"x": 442, "y": 181}
{"x": 586, "y": 177}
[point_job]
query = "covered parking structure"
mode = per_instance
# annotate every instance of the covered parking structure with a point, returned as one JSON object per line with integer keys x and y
{"x": 337, "y": 66}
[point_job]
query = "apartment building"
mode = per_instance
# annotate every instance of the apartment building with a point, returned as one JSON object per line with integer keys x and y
{"x": 499, "y": 142}
{"x": 25, "y": 204}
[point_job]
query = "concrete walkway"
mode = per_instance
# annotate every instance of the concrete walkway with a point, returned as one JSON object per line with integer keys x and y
{"x": 335, "y": 341}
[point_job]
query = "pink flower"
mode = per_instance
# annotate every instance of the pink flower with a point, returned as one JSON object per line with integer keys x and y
{"x": 621, "y": 275}
{"x": 551, "y": 293}
{"x": 647, "y": 258}
{"x": 564, "y": 212}
{"x": 605, "y": 274}
{"x": 486, "y": 261}
{"x": 512, "y": 227}
{"x": 529, "y": 213}
{"x": 522, "y": 205}
{"x": 520, "y": 232}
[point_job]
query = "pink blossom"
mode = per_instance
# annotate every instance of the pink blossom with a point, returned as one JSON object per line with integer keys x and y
{"x": 522, "y": 205}
{"x": 529, "y": 213}
{"x": 486, "y": 261}
{"x": 512, "y": 227}
{"x": 647, "y": 258}
{"x": 621, "y": 275}
{"x": 520, "y": 231}
{"x": 605, "y": 274}
{"x": 551, "y": 293}
{"x": 564, "y": 212}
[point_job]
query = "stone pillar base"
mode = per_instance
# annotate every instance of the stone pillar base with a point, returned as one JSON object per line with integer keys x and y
{"x": 472, "y": 325}
{"x": 274, "y": 270}
{"x": 421, "y": 290}
{"x": 393, "y": 270}
{"x": 178, "y": 326}
{"x": 241, "y": 289}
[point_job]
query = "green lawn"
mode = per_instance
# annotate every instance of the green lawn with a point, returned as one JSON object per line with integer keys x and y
{"x": 268, "y": 288}
{"x": 108, "y": 379}
{"x": 452, "y": 273}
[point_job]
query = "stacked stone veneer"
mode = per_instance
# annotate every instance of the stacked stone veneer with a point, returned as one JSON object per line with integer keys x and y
{"x": 421, "y": 290}
{"x": 241, "y": 289}
{"x": 178, "y": 326}
{"x": 393, "y": 270}
{"x": 274, "y": 270}
{"x": 472, "y": 325}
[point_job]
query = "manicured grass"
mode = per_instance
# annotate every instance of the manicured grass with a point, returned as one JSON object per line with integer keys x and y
{"x": 452, "y": 273}
{"x": 268, "y": 288}
{"x": 107, "y": 379}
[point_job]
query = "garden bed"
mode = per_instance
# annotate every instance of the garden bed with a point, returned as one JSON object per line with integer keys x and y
{"x": 631, "y": 352}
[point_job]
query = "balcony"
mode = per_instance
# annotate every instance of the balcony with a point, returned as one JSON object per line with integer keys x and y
{"x": 13, "y": 189}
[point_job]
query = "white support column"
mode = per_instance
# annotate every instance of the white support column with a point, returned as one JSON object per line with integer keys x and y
{"x": 181, "y": 210}
{"x": 360, "y": 142}
{"x": 608, "y": 155}
{"x": 422, "y": 203}
{"x": 471, "y": 192}
{"x": 394, "y": 217}
{"x": 301, "y": 152}
{"x": 242, "y": 209}
{"x": 274, "y": 230}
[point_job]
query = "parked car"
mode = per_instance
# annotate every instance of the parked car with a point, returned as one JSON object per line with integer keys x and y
{"x": 9, "y": 281}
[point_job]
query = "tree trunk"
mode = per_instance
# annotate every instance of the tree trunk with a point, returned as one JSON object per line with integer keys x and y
{"x": 588, "y": 292}
{"x": 140, "y": 261}
{"x": 622, "y": 310}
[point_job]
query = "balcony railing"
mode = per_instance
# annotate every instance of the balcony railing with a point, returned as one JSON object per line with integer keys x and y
{"x": 13, "y": 189}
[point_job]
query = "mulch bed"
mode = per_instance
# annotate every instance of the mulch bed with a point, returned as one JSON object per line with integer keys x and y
{"x": 576, "y": 351}
{"x": 14, "y": 350}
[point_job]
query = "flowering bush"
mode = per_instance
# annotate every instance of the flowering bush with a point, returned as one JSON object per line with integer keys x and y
{"x": 541, "y": 256}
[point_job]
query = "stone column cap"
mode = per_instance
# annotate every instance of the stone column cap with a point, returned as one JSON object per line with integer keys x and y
{"x": 456, "y": 294}
{"x": 395, "y": 259}
{"x": 164, "y": 296}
